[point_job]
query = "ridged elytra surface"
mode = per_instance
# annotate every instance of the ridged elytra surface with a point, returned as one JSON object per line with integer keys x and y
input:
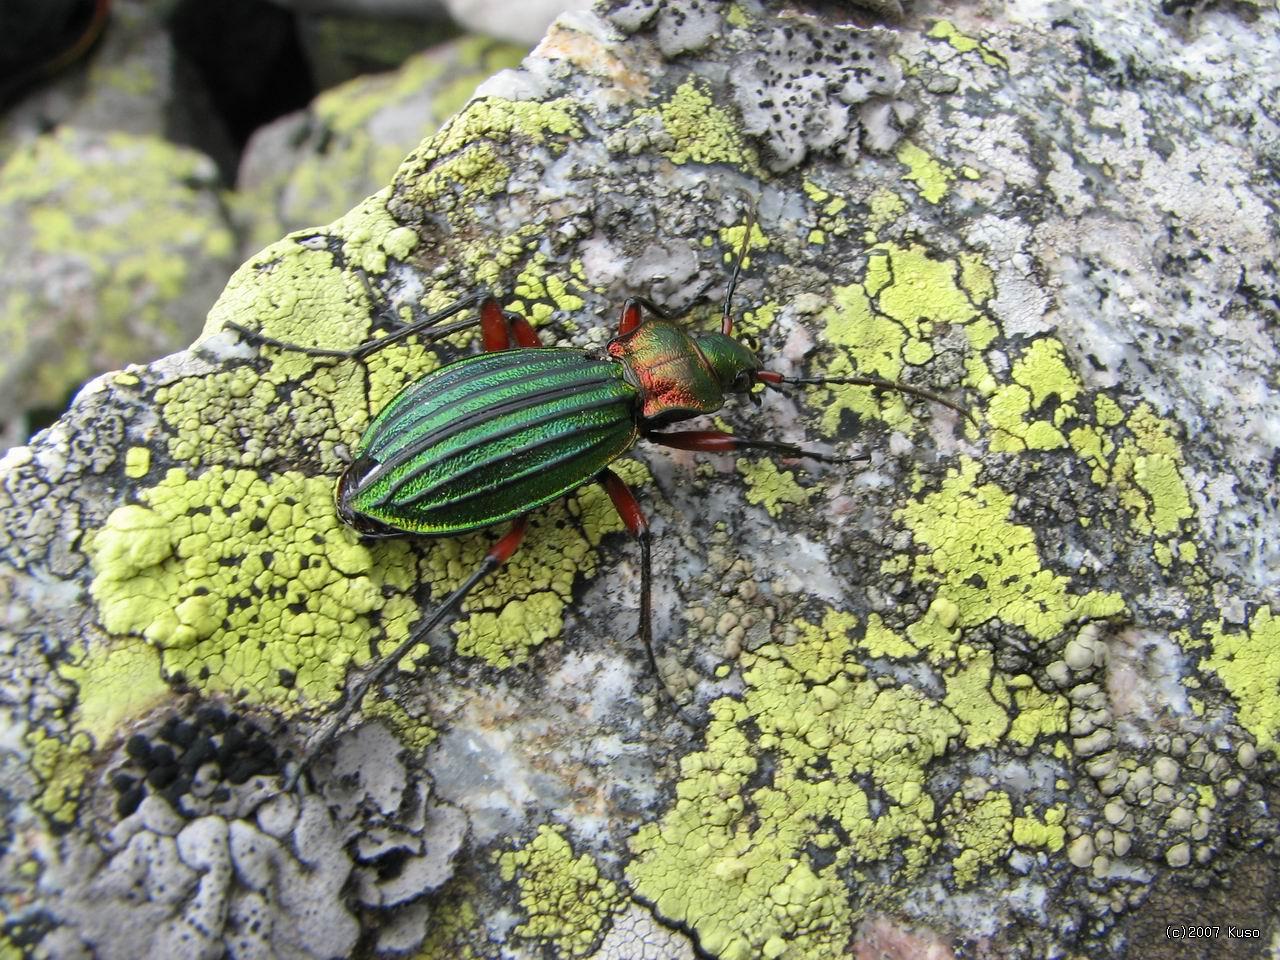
{"x": 490, "y": 437}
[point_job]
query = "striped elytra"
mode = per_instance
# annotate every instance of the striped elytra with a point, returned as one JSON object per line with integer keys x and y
{"x": 488, "y": 438}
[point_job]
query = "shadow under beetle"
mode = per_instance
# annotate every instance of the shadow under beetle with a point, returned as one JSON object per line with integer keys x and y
{"x": 490, "y": 437}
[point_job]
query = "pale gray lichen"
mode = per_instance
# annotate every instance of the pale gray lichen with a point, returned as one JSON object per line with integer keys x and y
{"x": 680, "y": 28}
{"x": 812, "y": 87}
{"x": 257, "y": 873}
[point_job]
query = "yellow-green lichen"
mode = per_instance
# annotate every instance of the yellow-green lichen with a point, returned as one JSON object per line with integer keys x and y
{"x": 1248, "y": 663}
{"x": 137, "y": 461}
{"x": 1040, "y": 373}
{"x": 296, "y": 405}
{"x": 352, "y": 150}
{"x": 771, "y": 487}
{"x": 731, "y": 238}
{"x": 701, "y": 131}
{"x": 247, "y": 586}
{"x": 1148, "y": 474}
{"x": 523, "y": 604}
{"x": 885, "y": 322}
{"x": 736, "y": 16}
{"x": 1047, "y": 833}
{"x": 981, "y": 828}
{"x": 828, "y": 219}
{"x": 115, "y": 683}
{"x": 465, "y": 155}
{"x": 296, "y": 293}
{"x": 1140, "y": 459}
{"x": 125, "y": 216}
{"x": 884, "y": 207}
{"x": 946, "y": 31}
{"x": 987, "y": 565}
{"x": 732, "y": 858}
{"x": 414, "y": 733}
{"x": 538, "y": 294}
{"x": 1037, "y": 713}
{"x": 978, "y": 698}
{"x": 60, "y": 766}
{"x": 566, "y": 901}
{"x": 880, "y": 641}
{"x": 456, "y": 926}
{"x": 931, "y": 177}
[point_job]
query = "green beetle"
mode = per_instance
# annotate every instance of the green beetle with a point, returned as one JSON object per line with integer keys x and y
{"x": 488, "y": 438}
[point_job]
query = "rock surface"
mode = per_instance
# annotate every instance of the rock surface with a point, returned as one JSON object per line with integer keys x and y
{"x": 1007, "y": 689}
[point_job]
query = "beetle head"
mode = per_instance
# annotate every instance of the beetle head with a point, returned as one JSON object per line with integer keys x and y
{"x": 733, "y": 362}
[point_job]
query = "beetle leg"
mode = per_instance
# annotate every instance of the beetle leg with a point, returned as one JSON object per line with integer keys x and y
{"x": 631, "y": 316}
{"x": 498, "y": 554}
{"x": 726, "y": 319}
{"x": 717, "y": 441}
{"x": 374, "y": 344}
{"x": 504, "y": 329}
{"x": 624, "y": 501}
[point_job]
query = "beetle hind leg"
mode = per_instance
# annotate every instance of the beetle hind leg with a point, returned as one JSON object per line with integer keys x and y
{"x": 498, "y": 554}
{"x": 425, "y": 326}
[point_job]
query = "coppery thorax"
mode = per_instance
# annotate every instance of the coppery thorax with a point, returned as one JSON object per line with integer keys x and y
{"x": 665, "y": 365}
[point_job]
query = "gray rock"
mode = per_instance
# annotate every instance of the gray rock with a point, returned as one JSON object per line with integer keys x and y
{"x": 1073, "y": 236}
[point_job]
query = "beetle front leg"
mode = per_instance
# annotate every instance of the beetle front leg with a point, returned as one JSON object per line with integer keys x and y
{"x": 717, "y": 441}
{"x": 624, "y": 501}
{"x": 632, "y": 314}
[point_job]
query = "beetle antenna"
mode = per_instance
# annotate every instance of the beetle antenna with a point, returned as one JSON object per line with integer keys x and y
{"x": 776, "y": 380}
{"x": 726, "y": 322}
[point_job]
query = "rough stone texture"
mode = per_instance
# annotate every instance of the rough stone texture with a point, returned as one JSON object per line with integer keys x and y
{"x": 305, "y": 168}
{"x": 1008, "y": 689}
{"x": 115, "y": 246}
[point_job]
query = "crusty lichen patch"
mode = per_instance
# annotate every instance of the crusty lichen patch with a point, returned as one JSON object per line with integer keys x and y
{"x": 523, "y": 605}
{"x": 464, "y": 161}
{"x": 886, "y": 323}
{"x": 567, "y": 903}
{"x": 130, "y": 227}
{"x": 754, "y": 865}
{"x": 247, "y": 586}
{"x": 774, "y": 489}
{"x": 989, "y": 566}
{"x": 1248, "y": 662}
{"x": 698, "y": 130}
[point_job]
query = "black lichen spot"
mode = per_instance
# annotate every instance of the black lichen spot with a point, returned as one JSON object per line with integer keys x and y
{"x": 212, "y": 745}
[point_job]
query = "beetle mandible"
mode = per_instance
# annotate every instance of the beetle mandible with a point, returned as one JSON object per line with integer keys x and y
{"x": 487, "y": 438}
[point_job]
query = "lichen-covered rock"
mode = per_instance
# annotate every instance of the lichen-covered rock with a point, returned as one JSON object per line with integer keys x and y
{"x": 305, "y": 168}
{"x": 1008, "y": 687}
{"x": 115, "y": 246}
